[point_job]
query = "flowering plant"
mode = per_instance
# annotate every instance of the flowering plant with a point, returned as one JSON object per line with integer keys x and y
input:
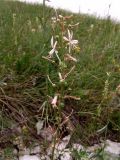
{"x": 62, "y": 57}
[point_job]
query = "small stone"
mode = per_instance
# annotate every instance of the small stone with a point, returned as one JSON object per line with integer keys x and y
{"x": 47, "y": 133}
{"x": 39, "y": 126}
{"x": 28, "y": 157}
{"x": 112, "y": 147}
{"x": 78, "y": 147}
{"x": 66, "y": 155}
{"x": 35, "y": 150}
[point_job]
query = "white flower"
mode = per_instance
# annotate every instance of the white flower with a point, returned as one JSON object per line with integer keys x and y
{"x": 55, "y": 19}
{"x": 92, "y": 25}
{"x": 53, "y": 45}
{"x": 54, "y": 101}
{"x": 72, "y": 43}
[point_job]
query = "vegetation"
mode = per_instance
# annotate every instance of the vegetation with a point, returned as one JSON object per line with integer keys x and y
{"x": 26, "y": 71}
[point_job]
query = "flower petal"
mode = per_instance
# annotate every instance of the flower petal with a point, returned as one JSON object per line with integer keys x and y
{"x": 54, "y": 46}
{"x": 54, "y": 101}
{"x": 60, "y": 77}
{"x": 66, "y": 39}
{"x": 52, "y": 42}
{"x": 69, "y": 35}
{"x": 51, "y": 52}
{"x": 74, "y": 41}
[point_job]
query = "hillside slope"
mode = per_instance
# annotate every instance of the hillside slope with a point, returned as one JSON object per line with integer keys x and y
{"x": 25, "y": 38}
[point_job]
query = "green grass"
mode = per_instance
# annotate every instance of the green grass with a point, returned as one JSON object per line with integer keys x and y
{"x": 24, "y": 39}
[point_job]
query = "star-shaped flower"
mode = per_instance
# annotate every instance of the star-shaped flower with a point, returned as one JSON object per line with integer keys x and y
{"x": 72, "y": 43}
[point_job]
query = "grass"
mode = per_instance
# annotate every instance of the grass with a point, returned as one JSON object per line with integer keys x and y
{"x": 25, "y": 38}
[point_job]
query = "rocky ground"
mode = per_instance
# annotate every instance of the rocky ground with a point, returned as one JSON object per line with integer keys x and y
{"x": 107, "y": 150}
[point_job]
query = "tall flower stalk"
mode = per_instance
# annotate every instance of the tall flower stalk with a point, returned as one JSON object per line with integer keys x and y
{"x": 62, "y": 58}
{"x": 61, "y": 62}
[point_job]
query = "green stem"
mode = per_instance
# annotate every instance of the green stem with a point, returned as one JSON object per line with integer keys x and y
{"x": 43, "y": 13}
